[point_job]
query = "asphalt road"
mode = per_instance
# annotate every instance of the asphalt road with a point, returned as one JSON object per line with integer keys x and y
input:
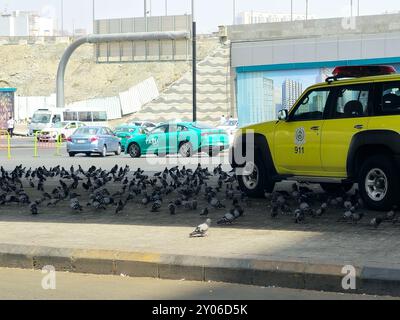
{"x": 48, "y": 157}
{"x": 18, "y": 284}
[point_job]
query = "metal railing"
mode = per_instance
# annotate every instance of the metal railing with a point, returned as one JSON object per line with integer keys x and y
{"x": 43, "y": 140}
{"x": 5, "y": 136}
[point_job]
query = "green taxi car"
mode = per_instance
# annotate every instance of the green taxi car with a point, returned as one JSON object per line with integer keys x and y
{"x": 184, "y": 138}
{"x": 126, "y": 132}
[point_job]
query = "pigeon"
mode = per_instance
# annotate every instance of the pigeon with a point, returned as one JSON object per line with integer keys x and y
{"x": 357, "y": 217}
{"x": 120, "y": 207}
{"x": 204, "y": 212}
{"x": 201, "y": 230}
{"x": 34, "y": 208}
{"x": 229, "y": 218}
{"x": 156, "y": 206}
{"x": 172, "y": 209}
{"x": 299, "y": 216}
{"x": 376, "y": 222}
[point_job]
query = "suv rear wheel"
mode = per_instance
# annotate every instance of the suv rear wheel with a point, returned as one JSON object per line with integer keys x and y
{"x": 254, "y": 180}
{"x": 379, "y": 182}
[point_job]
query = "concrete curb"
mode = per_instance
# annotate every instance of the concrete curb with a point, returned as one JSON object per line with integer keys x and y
{"x": 263, "y": 273}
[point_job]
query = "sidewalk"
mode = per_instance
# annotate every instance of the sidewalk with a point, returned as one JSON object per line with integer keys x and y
{"x": 256, "y": 250}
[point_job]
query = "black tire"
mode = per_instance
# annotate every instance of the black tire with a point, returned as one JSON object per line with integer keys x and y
{"x": 384, "y": 171}
{"x": 261, "y": 184}
{"x": 72, "y": 154}
{"x": 337, "y": 188}
{"x": 134, "y": 150}
{"x": 103, "y": 153}
{"x": 119, "y": 151}
{"x": 186, "y": 150}
{"x": 88, "y": 154}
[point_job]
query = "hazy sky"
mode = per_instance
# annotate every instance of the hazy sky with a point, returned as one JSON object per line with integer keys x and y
{"x": 209, "y": 13}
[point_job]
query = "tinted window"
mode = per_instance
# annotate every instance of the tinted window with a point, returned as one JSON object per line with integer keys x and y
{"x": 160, "y": 130}
{"x": 390, "y": 100}
{"x": 351, "y": 101}
{"x": 87, "y": 131}
{"x": 85, "y": 116}
{"x": 99, "y": 116}
{"x": 70, "y": 116}
{"x": 312, "y": 107}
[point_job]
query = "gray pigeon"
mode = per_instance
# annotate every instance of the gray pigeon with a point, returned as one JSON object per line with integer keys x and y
{"x": 201, "y": 230}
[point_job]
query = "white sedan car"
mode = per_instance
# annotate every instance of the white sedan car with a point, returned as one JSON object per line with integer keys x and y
{"x": 231, "y": 127}
{"x": 60, "y": 130}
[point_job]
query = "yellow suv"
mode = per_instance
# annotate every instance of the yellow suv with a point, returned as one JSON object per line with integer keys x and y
{"x": 342, "y": 132}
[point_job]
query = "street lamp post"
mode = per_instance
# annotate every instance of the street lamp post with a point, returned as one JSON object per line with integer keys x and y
{"x": 291, "y": 10}
{"x": 194, "y": 62}
{"x": 94, "y": 15}
{"x": 62, "y": 18}
{"x": 234, "y": 12}
{"x": 166, "y": 7}
{"x": 306, "y": 9}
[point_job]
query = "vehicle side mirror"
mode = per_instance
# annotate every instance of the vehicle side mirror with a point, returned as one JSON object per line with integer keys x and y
{"x": 283, "y": 115}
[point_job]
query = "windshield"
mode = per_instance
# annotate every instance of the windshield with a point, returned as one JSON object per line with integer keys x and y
{"x": 87, "y": 131}
{"x": 41, "y": 117}
{"x": 200, "y": 125}
{"x": 60, "y": 125}
{"x": 125, "y": 129}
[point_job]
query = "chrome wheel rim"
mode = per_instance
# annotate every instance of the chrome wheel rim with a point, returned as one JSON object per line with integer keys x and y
{"x": 134, "y": 151}
{"x": 376, "y": 185}
{"x": 251, "y": 176}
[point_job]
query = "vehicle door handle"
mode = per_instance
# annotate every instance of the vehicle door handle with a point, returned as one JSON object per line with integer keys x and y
{"x": 359, "y": 127}
{"x": 315, "y": 128}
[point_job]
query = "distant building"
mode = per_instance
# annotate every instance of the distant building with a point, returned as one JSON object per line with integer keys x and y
{"x": 291, "y": 92}
{"x": 26, "y": 24}
{"x": 251, "y": 17}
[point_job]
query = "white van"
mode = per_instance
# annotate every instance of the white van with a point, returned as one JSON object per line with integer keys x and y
{"x": 45, "y": 119}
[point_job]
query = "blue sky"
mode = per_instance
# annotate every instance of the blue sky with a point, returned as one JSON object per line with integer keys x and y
{"x": 209, "y": 13}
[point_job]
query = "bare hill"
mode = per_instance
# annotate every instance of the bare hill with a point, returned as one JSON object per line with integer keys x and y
{"x": 32, "y": 70}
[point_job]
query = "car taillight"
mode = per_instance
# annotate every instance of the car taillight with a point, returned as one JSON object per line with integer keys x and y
{"x": 94, "y": 139}
{"x": 69, "y": 139}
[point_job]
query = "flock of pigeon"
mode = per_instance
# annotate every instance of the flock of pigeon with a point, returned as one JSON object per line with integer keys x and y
{"x": 218, "y": 188}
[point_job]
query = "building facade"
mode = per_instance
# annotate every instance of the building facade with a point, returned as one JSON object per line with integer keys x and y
{"x": 291, "y": 92}
{"x": 253, "y": 17}
{"x": 296, "y": 55}
{"x": 27, "y": 24}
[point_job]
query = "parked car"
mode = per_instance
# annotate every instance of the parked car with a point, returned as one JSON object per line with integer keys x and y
{"x": 184, "y": 138}
{"x": 231, "y": 127}
{"x": 126, "y": 132}
{"x": 93, "y": 140}
{"x": 60, "y": 130}
{"x": 144, "y": 124}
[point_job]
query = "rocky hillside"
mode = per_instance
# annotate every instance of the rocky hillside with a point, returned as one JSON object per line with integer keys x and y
{"x": 32, "y": 70}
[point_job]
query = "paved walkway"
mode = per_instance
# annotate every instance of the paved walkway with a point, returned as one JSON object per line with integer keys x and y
{"x": 255, "y": 236}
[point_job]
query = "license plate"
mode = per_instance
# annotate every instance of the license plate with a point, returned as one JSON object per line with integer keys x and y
{"x": 81, "y": 141}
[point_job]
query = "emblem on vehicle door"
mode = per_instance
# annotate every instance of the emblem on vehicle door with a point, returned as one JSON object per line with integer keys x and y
{"x": 300, "y": 137}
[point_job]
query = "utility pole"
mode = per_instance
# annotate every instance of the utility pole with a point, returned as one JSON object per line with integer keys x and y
{"x": 194, "y": 62}
{"x": 94, "y": 15}
{"x": 166, "y": 7}
{"x": 358, "y": 8}
{"x": 62, "y": 18}
{"x": 306, "y": 9}
{"x": 351, "y": 8}
{"x": 234, "y": 12}
{"x": 291, "y": 10}
{"x": 145, "y": 14}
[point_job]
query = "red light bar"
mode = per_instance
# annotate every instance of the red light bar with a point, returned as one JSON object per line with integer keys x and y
{"x": 363, "y": 71}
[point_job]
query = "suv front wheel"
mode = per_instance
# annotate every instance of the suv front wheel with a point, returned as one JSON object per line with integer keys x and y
{"x": 254, "y": 179}
{"x": 379, "y": 182}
